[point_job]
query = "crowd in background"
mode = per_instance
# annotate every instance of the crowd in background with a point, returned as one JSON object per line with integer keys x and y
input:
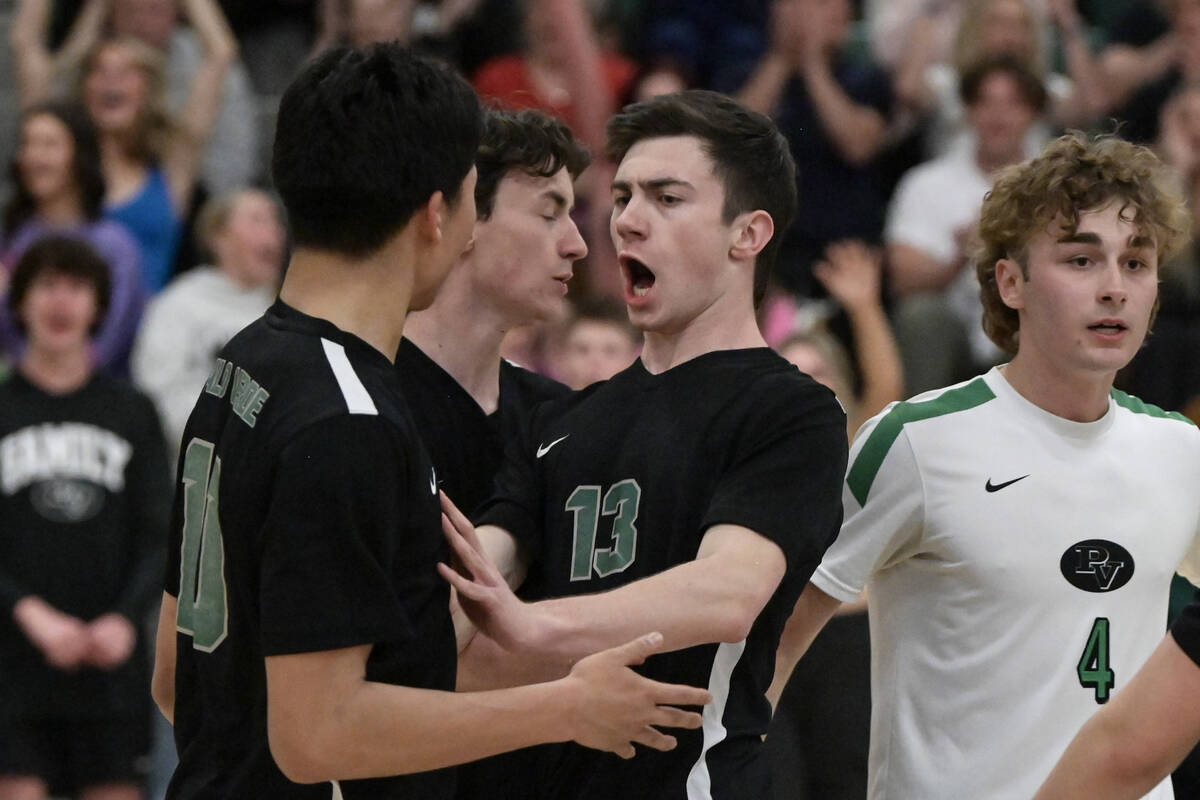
{"x": 145, "y": 130}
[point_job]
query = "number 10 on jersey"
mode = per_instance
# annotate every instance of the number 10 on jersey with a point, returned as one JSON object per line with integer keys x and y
{"x": 203, "y": 606}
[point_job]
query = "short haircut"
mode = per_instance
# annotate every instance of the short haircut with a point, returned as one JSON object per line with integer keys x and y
{"x": 1074, "y": 174}
{"x": 85, "y": 164}
{"x": 66, "y": 256}
{"x": 364, "y": 138}
{"x": 751, "y": 158}
{"x": 534, "y": 143}
{"x": 970, "y": 84}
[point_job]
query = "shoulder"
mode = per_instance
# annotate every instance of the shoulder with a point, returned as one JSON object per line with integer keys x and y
{"x": 1141, "y": 409}
{"x": 940, "y": 408}
{"x": 529, "y": 387}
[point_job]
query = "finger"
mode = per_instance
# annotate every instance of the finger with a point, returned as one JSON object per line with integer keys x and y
{"x": 461, "y": 523}
{"x": 677, "y": 694}
{"x": 656, "y": 739}
{"x": 671, "y": 717}
{"x": 636, "y": 651}
{"x": 625, "y": 751}
{"x": 463, "y": 586}
{"x": 472, "y": 560}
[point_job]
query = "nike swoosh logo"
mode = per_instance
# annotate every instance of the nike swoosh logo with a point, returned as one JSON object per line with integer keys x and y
{"x": 545, "y": 448}
{"x": 433, "y": 481}
{"x": 995, "y": 487}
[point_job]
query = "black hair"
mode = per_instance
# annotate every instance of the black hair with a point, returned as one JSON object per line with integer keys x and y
{"x": 364, "y": 138}
{"x": 1033, "y": 91}
{"x": 67, "y": 256}
{"x": 85, "y": 165}
{"x": 535, "y": 143}
{"x": 750, "y": 156}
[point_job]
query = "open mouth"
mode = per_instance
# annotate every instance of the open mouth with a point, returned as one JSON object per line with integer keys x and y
{"x": 1108, "y": 327}
{"x": 638, "y": 276}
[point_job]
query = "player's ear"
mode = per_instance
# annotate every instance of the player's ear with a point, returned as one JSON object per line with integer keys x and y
{"x": 750, "y": 233}
{"x": 1010, "y": 281}
{"x": 431, "y": 216}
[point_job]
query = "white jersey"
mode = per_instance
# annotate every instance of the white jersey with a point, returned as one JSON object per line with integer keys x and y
{"x": 1019, "y": 568}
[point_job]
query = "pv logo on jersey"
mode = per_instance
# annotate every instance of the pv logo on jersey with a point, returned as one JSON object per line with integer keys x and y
{"x": 1097, "y": 565}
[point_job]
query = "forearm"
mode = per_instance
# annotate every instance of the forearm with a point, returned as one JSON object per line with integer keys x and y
{"x": 211, "y": 26}
{"x": 912, "y": 270}
{"x": 380, "y": 729}
{"x": 765, "y": 87}
{"x": 1088, "y": 98}
{"x": 162, "y": 685}
{"x": 1126, "y": 68}
{"x": 857, "y": 132}
{"x": 812, "y": 611}
{"x": 878, "y": 359}
{"x": 592, "y": 104}
{"x": 699, "y": 602}
{"x": 27, "y": 37}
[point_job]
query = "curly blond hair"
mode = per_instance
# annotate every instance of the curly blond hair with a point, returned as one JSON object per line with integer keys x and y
{"x": 1074, "y": 174}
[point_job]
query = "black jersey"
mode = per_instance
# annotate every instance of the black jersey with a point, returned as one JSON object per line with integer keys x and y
{"x": 622, "y": 480}
{"x": 84, "y": 498}
{"x": 307, "y": 520}
{"x": 466, "y": 445}
{"x": 1186, "y": 629}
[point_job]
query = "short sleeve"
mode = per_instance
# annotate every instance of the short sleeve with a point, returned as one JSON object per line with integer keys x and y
{"x": 785, "y": 473}
{"x": 516, "y": 504}
{"x": 333, "y": 530}
{"x": 883, "y": 508}
{"x": 909, "y": 221}
{"x": 1186, "y": 630}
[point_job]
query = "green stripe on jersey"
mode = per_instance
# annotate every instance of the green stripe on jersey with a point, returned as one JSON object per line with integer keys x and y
{"x": 866, "y": 466}
{"x": 1139, "y": 406}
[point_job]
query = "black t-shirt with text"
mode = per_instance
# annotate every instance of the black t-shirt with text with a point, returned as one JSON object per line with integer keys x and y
{"x": 84, "y": 499}
{"x": 622, "y": 480}
{"x": 307, "y": 519}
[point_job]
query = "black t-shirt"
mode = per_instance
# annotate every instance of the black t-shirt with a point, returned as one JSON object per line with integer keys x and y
{"x": 307, "y": 520}
{"x": 622, "y": 480}
{"x": 84, "y": 497}
{"x": 466, "y": 445}
{"x": 1186, "y": 630}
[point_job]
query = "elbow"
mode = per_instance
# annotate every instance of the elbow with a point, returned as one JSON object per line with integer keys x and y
{"x": 735, "y": 621}
{"x": 299, "y": 753}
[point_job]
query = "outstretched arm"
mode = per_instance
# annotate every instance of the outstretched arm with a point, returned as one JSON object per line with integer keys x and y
{"x": 203, "y": 106}
{"x": 714, "y": 598}
{"x": 327, "y": 722}
{"x": 36, "y": 65}
{"x": 1134, "y": 742}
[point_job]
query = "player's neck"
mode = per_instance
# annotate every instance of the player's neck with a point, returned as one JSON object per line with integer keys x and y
{"x": 57, "y": 372}
{"x": 367, "y": 297}
{"x": 705, "y": 334}
{"x": 1073, "y": 395}
{"x": 464, "y": 339}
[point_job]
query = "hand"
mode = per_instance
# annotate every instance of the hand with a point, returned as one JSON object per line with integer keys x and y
{"x": 1065, "y": 15}
{"x": 851, "y": 273}
{"x": 61, "y": 638}
{"x": 787, "y": 30}
{"x": 111, "y": 639}
{"x": 483, "y": 593}
{"x": 617, "y": 707}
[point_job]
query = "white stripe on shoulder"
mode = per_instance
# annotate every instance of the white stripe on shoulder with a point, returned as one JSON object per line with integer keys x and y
{"x": 337, "y": 791}
{"x": 699, "y": 782}
{"x": 358, "y": 400}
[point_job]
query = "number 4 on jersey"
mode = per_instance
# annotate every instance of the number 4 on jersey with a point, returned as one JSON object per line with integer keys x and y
{"x": 1093, "y": 668}
{"x": 203, "y": 606}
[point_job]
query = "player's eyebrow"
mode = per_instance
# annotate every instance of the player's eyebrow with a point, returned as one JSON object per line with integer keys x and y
{"x": 556, "y": 197}
{"x": 1080, "y": 238}
{"x": 1141, "y": 242}
{"x": 652, "y": 184}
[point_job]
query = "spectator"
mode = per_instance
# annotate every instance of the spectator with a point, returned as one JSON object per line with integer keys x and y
{"x": 58, "y": 187}
{"x": 83, "y": 501}
{"x": 150, "y": 159}
{"x": 596, "y": 342}
{"x": 1155, "y": 48}
{"x": 233, "y": 153}
{"x": 929, "y": 88}
{"x": 714, "y": 44}
{"x": 192, "y": 319}
{"x": 931, "y": 226}
{"x": 834, "y": 110}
